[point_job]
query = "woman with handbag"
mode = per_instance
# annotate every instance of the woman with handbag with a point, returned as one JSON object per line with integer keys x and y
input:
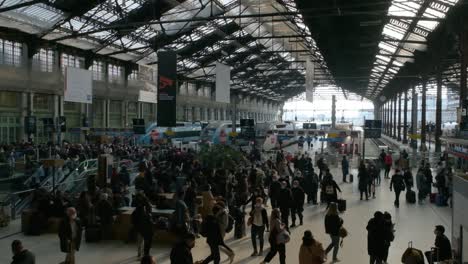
{"x": 311, "y": 251}
{"x": 258, "y": 220}
{"x": 333, "y": 224}
{"x": 278, "y": 238}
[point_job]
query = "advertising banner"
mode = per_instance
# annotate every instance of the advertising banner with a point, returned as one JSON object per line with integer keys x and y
{"x": 223, "y": 83}
{"x": 167, "y": 86}
{"x": 78, "y": 86}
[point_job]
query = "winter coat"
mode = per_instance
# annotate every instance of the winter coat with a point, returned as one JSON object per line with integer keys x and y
{"x": 333, "y": 223}
{"x": 65, "y": 235}
{"x": 298, "y": 196}
{"x": 397, "y": 182}
{"x": 363, "y": 179}
{"x": 313, "y": 254}
{"x": 180, "y": 254}
{"x": 212, "y": 230}
{"x": 285, "y": 199}
{"x": 377, "y": 237}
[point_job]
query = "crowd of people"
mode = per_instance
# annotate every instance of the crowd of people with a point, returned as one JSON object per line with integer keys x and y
{"x": 281, "y": 182}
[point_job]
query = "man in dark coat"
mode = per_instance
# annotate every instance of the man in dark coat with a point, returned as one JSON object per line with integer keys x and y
{"x": 212, "y": 231}
{"x": 21, "y": 255}
{"x": 298, "y": 203}
{"x": 363, "y": 176}
{"x": 285, "y": 202}
{"x": 143, "y": 224}
{"x": 398, "y": 184}
{"x": 376, "y": 238}
{"x": 274, "y": 191}
{"x": 181, "y": 252}
{"x": 70, "y": 231}
{"x": 311, "y": 184}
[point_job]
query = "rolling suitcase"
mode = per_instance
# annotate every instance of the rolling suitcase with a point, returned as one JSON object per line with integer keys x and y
{"x": 341, "y": 205}
{"x": 411, "y": 197}
{"x": 351, "y": 178}
{"x": 440, "y": 200}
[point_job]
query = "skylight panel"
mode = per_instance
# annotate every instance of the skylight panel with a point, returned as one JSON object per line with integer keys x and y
{"x": 392, "y": 33}
{"x": 387, "y": 47}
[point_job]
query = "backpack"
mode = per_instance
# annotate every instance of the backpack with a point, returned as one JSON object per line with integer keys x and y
{"x": 230, "y": 225}
{"x": 329, "y": 189}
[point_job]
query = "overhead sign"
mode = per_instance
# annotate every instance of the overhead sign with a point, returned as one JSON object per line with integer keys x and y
{"x": 223, "y": 83}
{"x": 167, "y": 75}
{"x": 148, "y": 97}
{"x": 372, "y": 133}
{"x": 415, "y": 136}
{"x": 373, "y": 124}
{"x": 309, "y": 89}
{"x": 78, "y": 86}
{"x": 332, "y": 139}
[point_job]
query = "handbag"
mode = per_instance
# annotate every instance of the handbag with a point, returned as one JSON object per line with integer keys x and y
{"x": 250, "y": 221}
{"x": 283, "y": 237}
{"x": 343, "y": 232}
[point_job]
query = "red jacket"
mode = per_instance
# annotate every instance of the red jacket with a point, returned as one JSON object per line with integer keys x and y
{"x": 388, "y": 160}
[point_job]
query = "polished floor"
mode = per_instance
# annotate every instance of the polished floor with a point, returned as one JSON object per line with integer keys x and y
{"x": 413, "y": 223}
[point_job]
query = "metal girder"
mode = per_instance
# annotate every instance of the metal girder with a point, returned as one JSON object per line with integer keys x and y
{"x": 410, "y": 29}
{"x": 21, "y": 5}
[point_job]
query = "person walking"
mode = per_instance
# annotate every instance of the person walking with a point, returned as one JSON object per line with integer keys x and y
{"x": 70, "y": 232}
{"x": 398, "y": 185}
{"x": 311, "y": 251}
{"x": 285, "y": 203}
{"x": 311, "y": 184}
{"x": 274, "y": 190}
{"x": 309, "y": 141}
{"x": 20, "y": 254}
{"x": 276, "y": 245}
{"x": 222, "y": 217}
{"x": 330, "y": 189}
{"x": 181, "y": 252}
{"x": 212, "y": 231}
{"x": 333, "y": 224}
{"x": 298, "y": 203}
{"x": 363, "y": 177}
{"x": 259, "y": 221}
{"x": 377, "y": 238}
{"x": 388, "y": 160}
{"x": 143, "y": 224}
{"x": 345, "y": 167}
{"x": 421, "y": 185}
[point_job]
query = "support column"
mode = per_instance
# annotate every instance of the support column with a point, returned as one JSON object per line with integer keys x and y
{"x": 423, "y": 115}
{"x": 405, "y": 118}
{"x": 124, "y": 114}
{"x": 399, "y": 118}
{"x": 394, "y": 121}
{"x": 390, "y": 118}
{"x": 333, "y": 115}
{"x": 464, "y": 65}
{"x": 385, "y": 118}
{"x": 414, "y": 118}
{"x": 438, "y": 127}
{"x": 105, "y": 112}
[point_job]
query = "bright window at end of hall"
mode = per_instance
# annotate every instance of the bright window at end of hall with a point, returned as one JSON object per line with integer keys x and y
{"x": 44, "y": 60}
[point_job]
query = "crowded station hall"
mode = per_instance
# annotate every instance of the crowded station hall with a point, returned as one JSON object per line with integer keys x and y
{"x": 233, "y": 131}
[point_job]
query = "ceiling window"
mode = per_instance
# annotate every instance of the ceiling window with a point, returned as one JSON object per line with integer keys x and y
{"x": 43, "y": 60}
{"x": 10, "y": 52}
{"x": 98, "y": 70}
{"x": 68, "y": 60}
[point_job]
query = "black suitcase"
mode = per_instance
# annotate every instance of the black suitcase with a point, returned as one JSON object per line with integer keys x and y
{"x": 351, "y": 178}
{"x": 411, "y": 197}
{"x": 93, "y": 234}
{"x": 341, "y": 205}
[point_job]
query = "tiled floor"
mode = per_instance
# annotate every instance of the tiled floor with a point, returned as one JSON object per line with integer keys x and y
{"x": 413, "y": 223}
